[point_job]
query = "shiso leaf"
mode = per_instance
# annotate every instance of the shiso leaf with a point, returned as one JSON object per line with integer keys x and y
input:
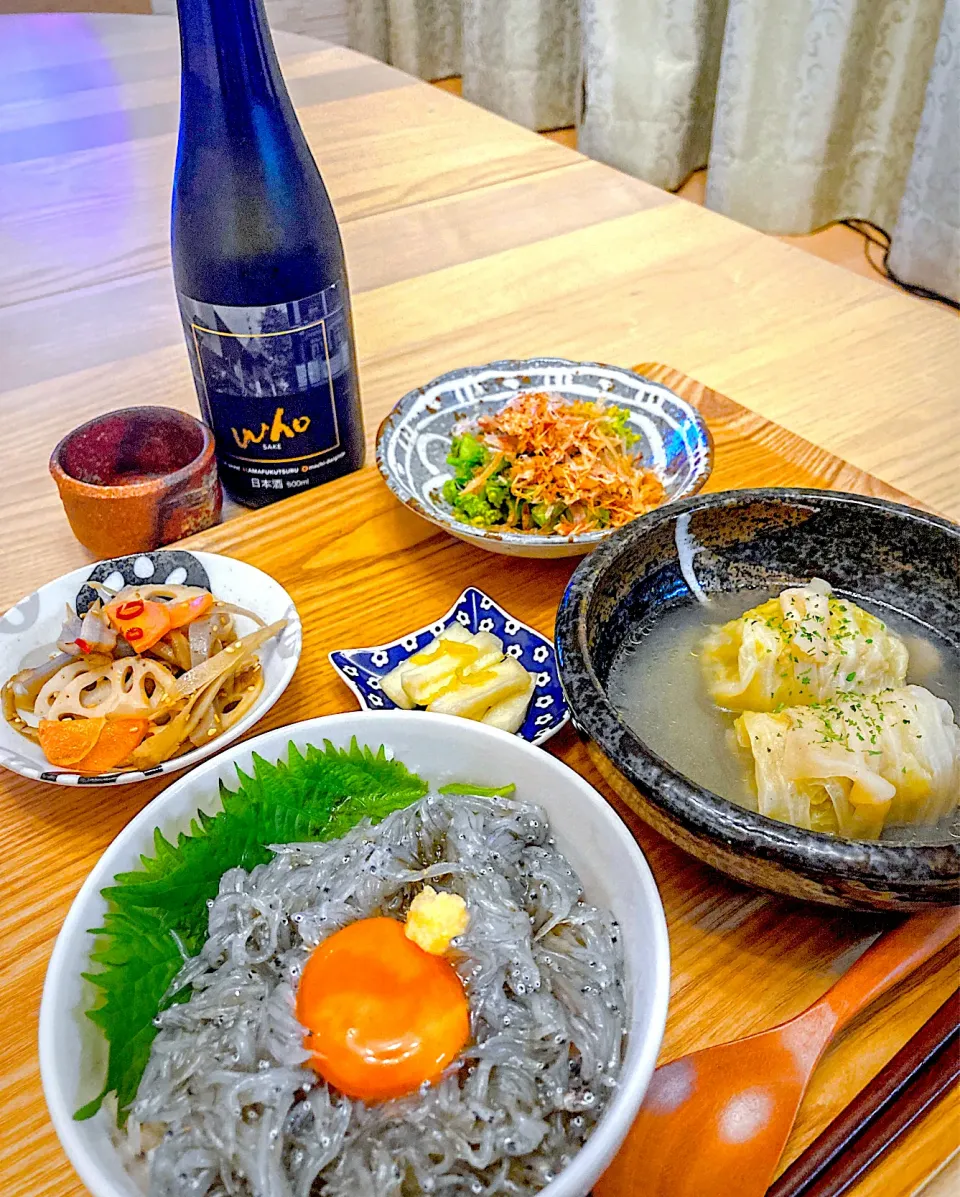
{"x": 315, "y": 795}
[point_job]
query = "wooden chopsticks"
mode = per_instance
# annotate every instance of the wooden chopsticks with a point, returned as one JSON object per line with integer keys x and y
{"x": 914, "y": 1080}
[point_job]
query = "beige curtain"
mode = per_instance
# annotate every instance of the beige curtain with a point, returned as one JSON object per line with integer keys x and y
{"x": 807, "y": 112}
{"x": 926, "y": 237}
{"x": 520, "y": 58}
{"x": 650, "y": 78}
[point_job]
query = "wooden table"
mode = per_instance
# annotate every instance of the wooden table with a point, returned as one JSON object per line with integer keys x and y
{"x": 467, "y": 238}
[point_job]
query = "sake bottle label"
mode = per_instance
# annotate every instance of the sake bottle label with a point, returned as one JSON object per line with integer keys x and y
{"x": 275, "y": 384}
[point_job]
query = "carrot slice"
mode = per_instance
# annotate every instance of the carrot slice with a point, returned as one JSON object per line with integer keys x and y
{"x": 141, "y": 622}
{"x": 117, "y": 740}
{"x": 67, "y": 741}
{"x": 189, "y": 609}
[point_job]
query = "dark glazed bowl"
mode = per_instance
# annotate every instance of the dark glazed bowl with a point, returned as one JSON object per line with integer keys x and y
{"x": 867, "y": 548}
{"x": 138, "y": 478}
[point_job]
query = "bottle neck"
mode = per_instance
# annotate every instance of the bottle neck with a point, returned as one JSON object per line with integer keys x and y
{"x": 250, "y": 214}
{"x": 228, "y": 56}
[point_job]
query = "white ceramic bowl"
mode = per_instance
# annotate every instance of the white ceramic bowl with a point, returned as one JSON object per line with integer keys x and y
{"x": 29, "y": 630}
{"x": 441, "y": 749}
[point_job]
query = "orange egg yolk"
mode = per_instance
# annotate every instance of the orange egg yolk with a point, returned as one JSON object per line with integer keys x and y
{"x": 382, "y": 1015}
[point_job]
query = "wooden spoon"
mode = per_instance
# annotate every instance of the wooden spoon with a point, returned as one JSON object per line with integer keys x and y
{"x": 714, "y": 1123}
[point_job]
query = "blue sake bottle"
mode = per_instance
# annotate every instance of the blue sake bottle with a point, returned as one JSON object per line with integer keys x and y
{"x": 258, "y": 266}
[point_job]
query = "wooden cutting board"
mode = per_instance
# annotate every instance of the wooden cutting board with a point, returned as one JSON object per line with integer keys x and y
{"x": 362, "y": 570}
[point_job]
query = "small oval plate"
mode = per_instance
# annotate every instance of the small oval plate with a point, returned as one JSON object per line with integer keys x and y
{"x": 414, "y": 439}
{"x": 32, "y": 626}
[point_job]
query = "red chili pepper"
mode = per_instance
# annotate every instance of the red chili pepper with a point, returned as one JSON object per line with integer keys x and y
{"x": 139, "y": 621}
{"x": 83, "y": 645}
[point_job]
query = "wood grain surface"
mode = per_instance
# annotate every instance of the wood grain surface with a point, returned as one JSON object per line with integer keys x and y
{"x": 467, "y": 239}
{"x": 361, "y": 567}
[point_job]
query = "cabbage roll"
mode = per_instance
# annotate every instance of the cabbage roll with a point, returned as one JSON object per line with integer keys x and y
{"x": 805, "y": 646}
{"x": 858, "y": 763}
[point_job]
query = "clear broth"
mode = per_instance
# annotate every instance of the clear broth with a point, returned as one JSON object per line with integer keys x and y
{"x": 657, "y": 687}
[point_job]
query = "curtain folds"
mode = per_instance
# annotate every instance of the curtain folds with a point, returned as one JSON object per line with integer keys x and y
{"x": 520, "y": 58}
{"x": 926, "y": 237}
{"x": 818, "y": 104}
{"x": 650, "y": 72}
{"x": 418, "y": 36}
{"x": 805, "y": 111}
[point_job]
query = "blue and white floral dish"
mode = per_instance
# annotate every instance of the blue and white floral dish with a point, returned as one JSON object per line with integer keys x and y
{"x": 362, "y": 668}
{"x": 414, "y": 439}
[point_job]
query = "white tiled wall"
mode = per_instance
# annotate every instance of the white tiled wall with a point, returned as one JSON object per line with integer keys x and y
{"x": 326, "y": 19}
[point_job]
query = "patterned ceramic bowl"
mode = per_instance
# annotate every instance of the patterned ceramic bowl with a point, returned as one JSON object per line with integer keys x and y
{"x": 362, "y": 668}
{"x": 414, "y": 439}
{"x": 29, "y": 631}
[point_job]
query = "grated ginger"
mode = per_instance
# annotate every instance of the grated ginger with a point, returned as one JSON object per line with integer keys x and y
{"x": 434, "y": 919}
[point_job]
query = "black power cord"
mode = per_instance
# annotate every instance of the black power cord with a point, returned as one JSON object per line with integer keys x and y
{"x": 873, "y": 235}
